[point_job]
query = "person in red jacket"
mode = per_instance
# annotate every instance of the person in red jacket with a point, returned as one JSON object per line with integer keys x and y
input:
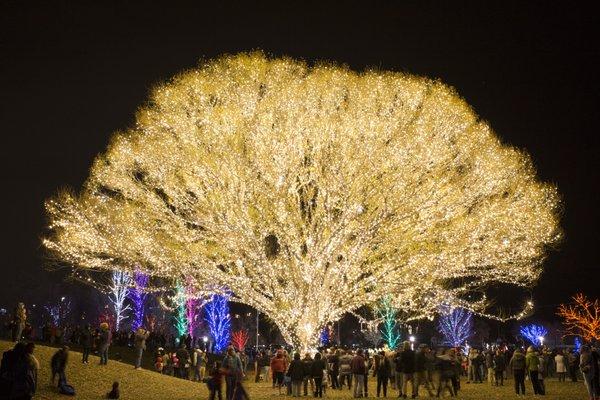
{"x": 278, "y": 368}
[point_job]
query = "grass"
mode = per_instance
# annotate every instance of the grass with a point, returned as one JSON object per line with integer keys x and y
{"x": 93, "y": 381}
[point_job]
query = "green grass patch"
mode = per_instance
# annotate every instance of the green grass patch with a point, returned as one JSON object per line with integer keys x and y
{"x": 93, "y": 381}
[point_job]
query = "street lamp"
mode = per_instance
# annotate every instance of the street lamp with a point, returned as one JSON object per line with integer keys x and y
{"x": 412, "y": 339}
{"x": 541, "y": 339}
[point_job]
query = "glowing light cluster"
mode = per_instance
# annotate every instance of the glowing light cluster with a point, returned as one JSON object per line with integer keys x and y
{"x": 535, "y": 334}
{"x": 219, "y": 321}
{"x": 119, "y": 289}
{"x": 455, "y": 325}
{"x": 310, "y": 192}
{"x": 582, "y": 317}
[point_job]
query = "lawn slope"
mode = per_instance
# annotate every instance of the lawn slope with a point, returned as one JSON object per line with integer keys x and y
{"x": 93, "y": 381}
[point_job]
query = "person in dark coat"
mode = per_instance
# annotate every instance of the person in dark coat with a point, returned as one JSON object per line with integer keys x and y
{"x": 420, "y": 378}
{"x": 86, "y": 340}
{"x": 499, "y": 367}
{"x": 407, "y": 359}
{"x": 316, "y": 370}
{"x": 383, "y": 370}
{"x": 307, "y": 361}
{"x": 17, "y": 374}
{"x": 296, "y": 374}
{"x": 58, "y": 364}
{"x": 184, "y": 361}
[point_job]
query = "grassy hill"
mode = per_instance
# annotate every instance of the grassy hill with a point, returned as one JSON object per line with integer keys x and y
{"x": 93, "y": 381}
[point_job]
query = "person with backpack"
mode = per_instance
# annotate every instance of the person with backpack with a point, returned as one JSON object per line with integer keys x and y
{"x": 517, "y": 365}
{"x": 232, "y": 365}
{"x": 532, "y": 365}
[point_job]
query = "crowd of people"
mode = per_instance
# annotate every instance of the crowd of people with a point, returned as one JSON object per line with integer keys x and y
{"x": 403, "y": 372}
{"x": 407, "y": 371}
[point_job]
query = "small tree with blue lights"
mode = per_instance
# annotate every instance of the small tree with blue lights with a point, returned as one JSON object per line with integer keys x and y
{"x": 455, "y": 325}
{"x": 218, "y": 319}
{"x": 533, "y": 333}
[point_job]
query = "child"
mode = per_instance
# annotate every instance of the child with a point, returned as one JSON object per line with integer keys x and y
{"x": 114, "y": 393}
{"x": 216, "y": 381}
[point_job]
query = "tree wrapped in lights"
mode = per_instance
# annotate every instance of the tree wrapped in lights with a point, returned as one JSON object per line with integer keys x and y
{"x": 118, "y": 290}
{"x": 455, "y": 325}
{"x": 310, "y": 192}
{"x": 534, "y": 334}
{"x": 138, "y": 296}
{"x": 581, "y": 317}
{"x": 180, "y": 310}
{"x": 387, "y": 314}
{"x": 217, "y": 316}
{"x": 239, "y": 339}
{"x": 59, "y": 311}
{"x": 193, "y": 307}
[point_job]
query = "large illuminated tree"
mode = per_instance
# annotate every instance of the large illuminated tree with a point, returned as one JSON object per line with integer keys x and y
{"x": 310, "y": 192}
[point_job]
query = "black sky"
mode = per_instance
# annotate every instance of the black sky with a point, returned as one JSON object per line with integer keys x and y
{"x": 71, "y": 73}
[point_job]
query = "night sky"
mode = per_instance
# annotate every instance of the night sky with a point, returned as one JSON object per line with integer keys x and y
{"x": 71, "y": 74}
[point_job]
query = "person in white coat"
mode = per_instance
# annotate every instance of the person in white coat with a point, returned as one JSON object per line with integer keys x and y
{"x": 561, "y": 366}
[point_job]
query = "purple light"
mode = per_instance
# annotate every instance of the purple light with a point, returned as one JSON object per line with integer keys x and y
{"x": 138, "y": 297}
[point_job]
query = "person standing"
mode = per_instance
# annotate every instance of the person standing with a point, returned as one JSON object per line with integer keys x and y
{"x": 517, "y": 365}
{"x": 103, "y": 343}
{"x": 407, "y": 359}
{"x": 499, "y": 367}
{"x": 215, "y": 384}
{"x": 19, "y": 320}
{"x": 334, "y": 369}
{"x": 561, "y": 367}
{"x": 86, "y": 339}
{"x": 199, "y": 363}
{"x": 383, "y": 369}
{"x": 295, "y": 373}
{"x": 317, "y": 369}
{"x": 140, "y": 345}
{"x": 345, "y": 370}
{"x": 588, "y": 365}
{"x": 446, "y": 373}
{"x": 357, "y": 367}
{"x": 308, "y": 379}
{"x": 421, "y": 371}
{"x": 232, "y": 365}
{"x": 278, "y": 368}
{"x": 532, "y": 365}
{"x": 184, "y": 361}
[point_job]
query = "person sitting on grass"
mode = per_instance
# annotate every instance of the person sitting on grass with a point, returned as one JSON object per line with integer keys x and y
{"x": 114, "y": 393}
